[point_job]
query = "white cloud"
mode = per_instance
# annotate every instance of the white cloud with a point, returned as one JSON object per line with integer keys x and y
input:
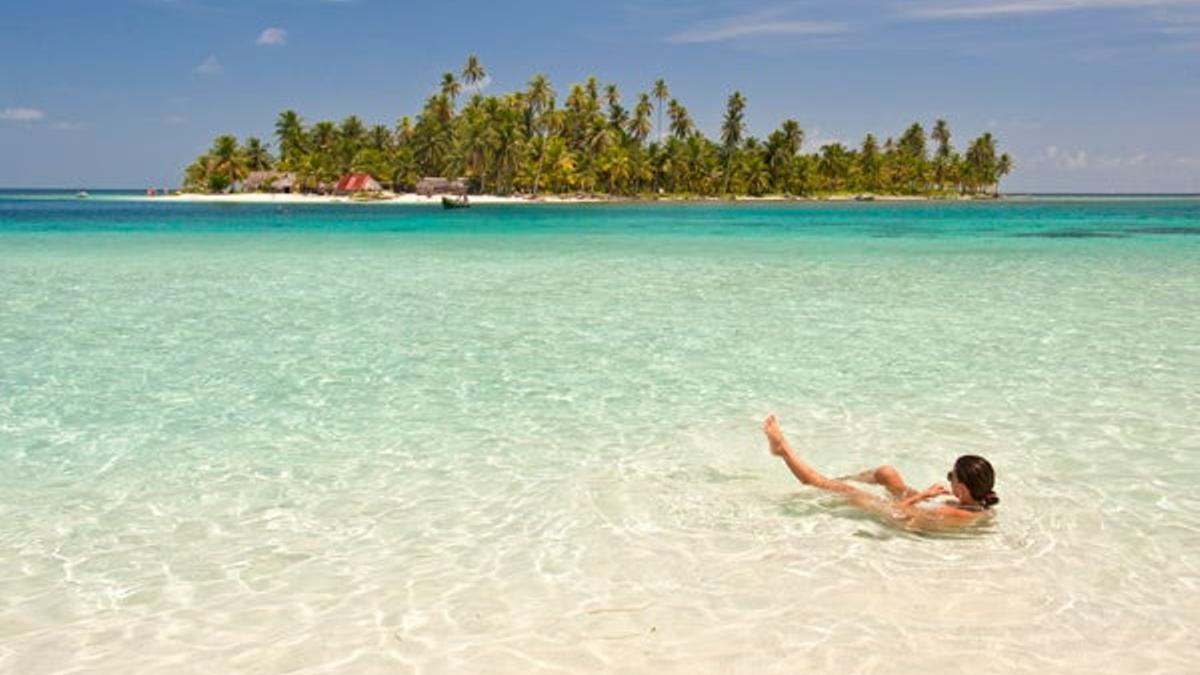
{"x": 766, "y": 22}
{"x": 816, "y": 138}
{"x": 1080, "y": 160}
{"x": 272, "y": 37}
{"x": 1067, "y": 160}
{"x": 731, "y": 30}
{"x": 992, "y": 8}
{"x": 21, "y": 114}
{"x": 209, "y": 66}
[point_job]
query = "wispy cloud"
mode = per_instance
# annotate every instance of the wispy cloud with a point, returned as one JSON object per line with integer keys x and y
{"x": 817, "y": 139}
{"x": 184, "y": 6}
{"x": 992, "y": 8}
{"x": 763, "y": 23}
{"x": 1080, "y": 160}
{"x": 21, "y": 114}
{"x": 1066, "y": 159}
{"x": 272, "y": 37}
{"x": 209, "y": 66}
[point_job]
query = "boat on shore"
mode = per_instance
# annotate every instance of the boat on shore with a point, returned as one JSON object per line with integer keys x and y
{"x": 459, "y": 202}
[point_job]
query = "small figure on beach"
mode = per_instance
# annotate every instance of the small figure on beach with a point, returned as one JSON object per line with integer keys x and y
{"x": 971, "y": 482}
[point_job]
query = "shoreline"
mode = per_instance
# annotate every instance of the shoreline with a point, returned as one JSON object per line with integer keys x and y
{"x": 414, "y": 199}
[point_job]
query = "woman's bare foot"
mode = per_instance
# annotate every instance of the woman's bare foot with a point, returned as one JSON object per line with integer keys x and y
{"x": 775, "y": 436}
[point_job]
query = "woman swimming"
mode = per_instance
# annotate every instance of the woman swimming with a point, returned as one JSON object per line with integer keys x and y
{"x": 971, "y": 483}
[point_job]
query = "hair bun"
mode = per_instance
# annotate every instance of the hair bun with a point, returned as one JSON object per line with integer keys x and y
{"x": 991, "y": 499}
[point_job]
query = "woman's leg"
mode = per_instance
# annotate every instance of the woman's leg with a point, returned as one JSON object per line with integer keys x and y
{"x": 805, "y": 473}
{"x": 888, "y": 477}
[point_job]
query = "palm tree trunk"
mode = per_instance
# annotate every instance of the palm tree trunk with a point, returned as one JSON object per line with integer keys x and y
{"x": 537, "y": 174}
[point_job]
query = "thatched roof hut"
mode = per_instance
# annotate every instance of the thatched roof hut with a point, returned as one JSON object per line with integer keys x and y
{"x": 357, "y": 182}
{"x": 436, "y": 185}
{"x": 272, "y": 181}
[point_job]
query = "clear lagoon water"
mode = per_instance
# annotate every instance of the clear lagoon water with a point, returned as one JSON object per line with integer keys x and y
{"x": 527, "y": 438}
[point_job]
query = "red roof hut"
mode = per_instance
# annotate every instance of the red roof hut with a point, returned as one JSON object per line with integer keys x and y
{"x": 357, "y": 182}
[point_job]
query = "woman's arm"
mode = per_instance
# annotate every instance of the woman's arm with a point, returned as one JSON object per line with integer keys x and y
{"x": 928, "y": 493}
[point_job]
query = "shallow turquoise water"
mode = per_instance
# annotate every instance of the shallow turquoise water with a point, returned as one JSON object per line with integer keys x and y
{"x": 521, "y": 439}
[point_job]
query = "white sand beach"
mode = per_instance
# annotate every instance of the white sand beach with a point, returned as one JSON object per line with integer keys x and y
{"x": 412, "y": 198}
{"x": 387, "y": 198}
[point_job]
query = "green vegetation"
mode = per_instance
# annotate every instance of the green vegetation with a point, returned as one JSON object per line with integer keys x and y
{"x": 526, "y": 142}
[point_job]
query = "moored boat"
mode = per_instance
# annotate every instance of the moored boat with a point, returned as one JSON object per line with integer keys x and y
{"x": 459, "y": 202}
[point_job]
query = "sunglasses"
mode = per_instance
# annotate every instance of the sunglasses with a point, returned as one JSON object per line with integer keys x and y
{"x": 950, "y": 476}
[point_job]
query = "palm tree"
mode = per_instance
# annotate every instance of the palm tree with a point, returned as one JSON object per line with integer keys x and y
{"x": 592, "y": 88}
{"x": 732, "y": 128}
{"x": 540, "y": 99}
{"x": 979, "y": 165}
{"x": 782, "y": 147}
{"x": 1004, "y": 166}
{"x": 195, "y": 177}
{"x": 868, "y": 163}
{"x": 661, "y": 93}
{"x": 379, "y": 138}
{"x": 616, "y": 113}
{"x": 835, "y": 165}
{"x": 941, "y": 136}
{"x": 612, "y": 96}
{"x": 352, "y": 134}
{"x": 322, "y": 163}
{"x": 257, "y": 156}
{"x": 322, "y": 137}
{"x": 793, "y": 136}
{"x": 227, "y": 159}
{"x": 639, "y": 125}
{"x": 404, "y": 130}
{"x": 289, "y": 132}
{"x": 450, "y": 88}
{"x": 614, "y": 163}
{"x": 681, "y": 122}
{"x": 473, "y": 72}
{"x": 913, "y": 158}
{"x": 941, "y": 157}
{"x": 540, "y": 94}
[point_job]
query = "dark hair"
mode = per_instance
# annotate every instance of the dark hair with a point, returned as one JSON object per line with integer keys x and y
{"x": 977, "y": 475}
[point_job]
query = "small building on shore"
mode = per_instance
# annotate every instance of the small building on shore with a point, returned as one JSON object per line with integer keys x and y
{"x": 356, "y": 182}
{"x": 436, "y": 185}
{"x": 270, "y": 181}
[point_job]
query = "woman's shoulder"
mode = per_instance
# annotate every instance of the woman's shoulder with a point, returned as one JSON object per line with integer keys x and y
{"x": 962, "y": 511}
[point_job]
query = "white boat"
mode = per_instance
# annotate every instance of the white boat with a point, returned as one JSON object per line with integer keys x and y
{"x": 82, "y": 194}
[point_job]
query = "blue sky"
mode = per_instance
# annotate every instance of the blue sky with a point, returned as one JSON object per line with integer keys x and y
{"x": 1087, "y": 95}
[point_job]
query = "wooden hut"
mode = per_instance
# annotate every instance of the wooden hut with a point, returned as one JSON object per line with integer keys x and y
{"x": 435, "y": 185}
{"x": 357, "y": 182}
{"x": 270, "y": 181}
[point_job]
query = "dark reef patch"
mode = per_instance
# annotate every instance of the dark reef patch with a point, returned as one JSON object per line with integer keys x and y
{"x": 1074, "y": 234}
{"x": 1183, "y": 229}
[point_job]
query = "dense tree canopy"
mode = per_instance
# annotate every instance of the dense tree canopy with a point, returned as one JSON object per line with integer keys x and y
{"x": 526, "y": 141}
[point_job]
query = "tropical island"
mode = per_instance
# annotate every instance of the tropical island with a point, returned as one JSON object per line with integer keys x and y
{"x": 524, "y": 143}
